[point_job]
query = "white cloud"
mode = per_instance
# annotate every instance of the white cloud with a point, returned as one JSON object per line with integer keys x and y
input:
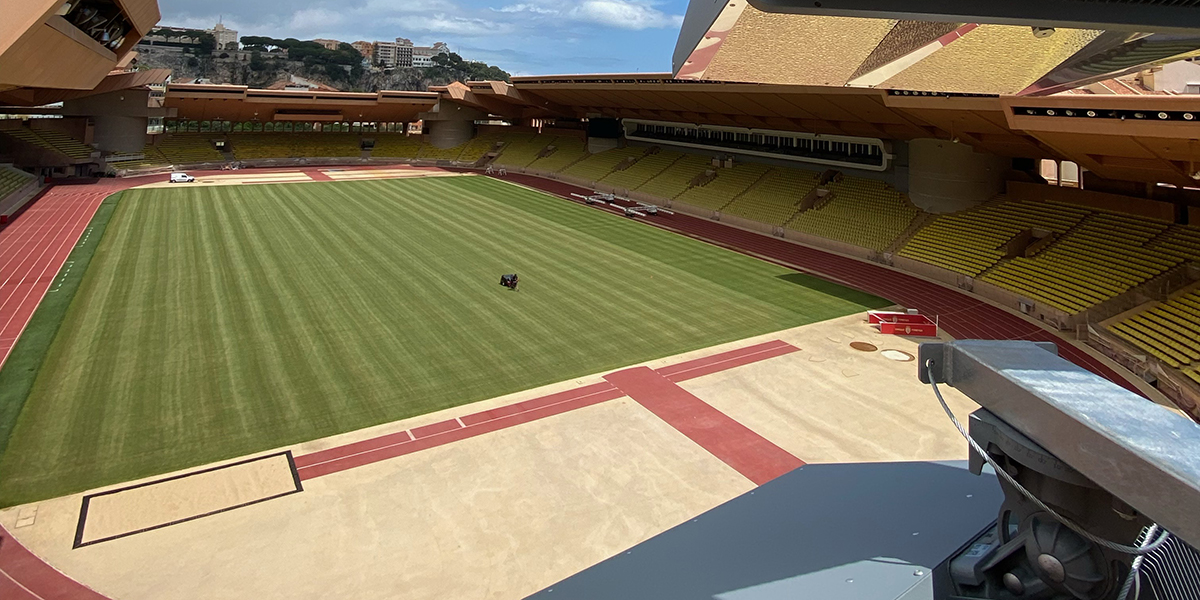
{"x": 532, "y": 8}
{"x": 624, "y": 14}
{"x": 460, "y": 26}
{"x": 312, "y": 20}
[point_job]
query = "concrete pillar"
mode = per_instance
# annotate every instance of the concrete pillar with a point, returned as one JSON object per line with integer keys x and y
{"x": 947, "y": 177}
{"x": 450, "y": 133}
{"x": 119, "y": 134}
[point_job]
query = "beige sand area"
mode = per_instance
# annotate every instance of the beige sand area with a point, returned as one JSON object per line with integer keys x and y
{"x": 255, "y": 176}
{"x": 833, "y": 403}
{"x": 507, "y": 513}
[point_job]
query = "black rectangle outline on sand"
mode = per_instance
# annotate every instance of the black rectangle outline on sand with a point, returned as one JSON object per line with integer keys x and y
{"x": 83, "y": 511}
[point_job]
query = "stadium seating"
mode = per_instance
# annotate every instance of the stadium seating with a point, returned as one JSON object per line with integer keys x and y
{"x": 567, "y": 151}
{"x": 777, "y": 196}
{"x": 12, "y": 179}
{"x": 1170, "y": 332}
{"x": 677, "y": 177}
{"x": 645, "y": 169}
{"x": 728, "y": 185}
{"x": 474, "y": 150}
{"x": 597, "y": 166}
{"x": 188, "y": 148}
{"x": 295, "y": 145}
{"x": 521, "y": 150}
{"x": 396, "y": 145}
{"x": 430, "y": 152}
{"x": 56, "y": 141}
{"x": 1105, "y": 255}
{"x": 973, "y": 241}
{"x": 151, "y": 157}
{"x": 864, "y": 212}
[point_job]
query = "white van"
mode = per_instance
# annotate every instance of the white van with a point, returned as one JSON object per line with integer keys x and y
{"x": 181, "y": 178}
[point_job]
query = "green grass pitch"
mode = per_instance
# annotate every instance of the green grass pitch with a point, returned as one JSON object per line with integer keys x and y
{"x": 214, "y": 322}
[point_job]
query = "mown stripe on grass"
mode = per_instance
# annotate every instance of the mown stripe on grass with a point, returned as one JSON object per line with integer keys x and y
{"x": 25, "y": 360}
{"x": 217, "y": 322}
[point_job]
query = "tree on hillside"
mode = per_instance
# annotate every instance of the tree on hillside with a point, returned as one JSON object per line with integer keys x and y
{"x": 452, "y": 67}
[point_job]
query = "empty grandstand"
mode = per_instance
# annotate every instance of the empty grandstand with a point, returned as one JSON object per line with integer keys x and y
{"x": 188, "y": 148}
{"x": 973, "y": 241}
{"x": 295, "y": 145}
{"x": 678, "y": 177}
{"x": 723, "y": 189}
{"x": 1169, "y": 331}
{"x": 521, "y": 149}
{"x": 777, "y": 197}
{"x": 12, "y": 180}
{"x": 598, "y": 166}
{"x": 652, "y": 164}
{"x": 562, "y": 152}
{"x": 55, "y": 141}
{"x": 864, "y": 212}
{"x": 396, "y": 145}
{"x": 1103, "y": 256}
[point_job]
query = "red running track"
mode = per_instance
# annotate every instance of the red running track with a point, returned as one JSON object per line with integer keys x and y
{"x": 748, "y": 453}
{"x": 33, "y": 249}
{"x": 23, "y": 576}
{"x": 961, "y": 315}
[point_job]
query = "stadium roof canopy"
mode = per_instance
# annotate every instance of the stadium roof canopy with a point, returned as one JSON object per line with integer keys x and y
{"x": 1148, "y": 139}
{"x": 1021, "y": 47}
{"x": 239, "y": 103}
{"x": 69, "y": 44}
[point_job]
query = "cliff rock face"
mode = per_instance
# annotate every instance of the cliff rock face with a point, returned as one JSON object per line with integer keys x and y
{"x": 241, "y": 68}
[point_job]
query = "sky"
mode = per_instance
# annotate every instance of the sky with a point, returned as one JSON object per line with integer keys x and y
{"x": 523, "y": 37}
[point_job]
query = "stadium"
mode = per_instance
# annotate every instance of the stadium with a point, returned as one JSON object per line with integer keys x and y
{"x": 289, "y": 372}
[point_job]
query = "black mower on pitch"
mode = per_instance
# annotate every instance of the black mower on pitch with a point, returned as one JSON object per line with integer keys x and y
{"x": 510, "y": 281}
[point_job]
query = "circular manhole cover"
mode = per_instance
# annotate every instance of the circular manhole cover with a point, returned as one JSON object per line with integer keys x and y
{"x": 863, "y": 346}
{"x": 897, "y": 355}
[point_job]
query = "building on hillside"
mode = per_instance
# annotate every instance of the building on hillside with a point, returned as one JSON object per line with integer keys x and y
{"x": 394, "y": 54}
{"x": 227, "y": 39}
{"x": 328, "y": 44}
{"x": 367, "y": 49}
{"x": 422, "y": 56}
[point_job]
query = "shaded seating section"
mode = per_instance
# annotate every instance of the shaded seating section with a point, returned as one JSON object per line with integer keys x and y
{"x": 864, "y": 212}
{"x": 1180, "y": 242}
{"x": 474, "y": 150}
{"x": 727, "y": 185}
{"x": 1169, "y": 332}
{"x": 567, "y": 150}
{"x": 1105, "y": 255}
{"x": 187, "y": 148}
{"x": 295, "y": 145}
{"x": 521, "y": 150}
{"x": 55, "y": 141}
{"x": 972, "y": 241}
{"x": 598, "y": 166}
{"x": 677, "y": 177}
{"x": 646, "y": 168}
{"x": 12, "y": 180}
{"x": 151, "y": 157}
{"x": 430, "y": 152}
{"x": 396, "y": 145}
{"x": 776, "y": 197}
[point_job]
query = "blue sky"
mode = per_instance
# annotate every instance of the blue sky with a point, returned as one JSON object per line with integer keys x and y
{"x": 524, "y": 37}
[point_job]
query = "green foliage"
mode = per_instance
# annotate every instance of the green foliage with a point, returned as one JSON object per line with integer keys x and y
{"x": 452, "y": 67}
